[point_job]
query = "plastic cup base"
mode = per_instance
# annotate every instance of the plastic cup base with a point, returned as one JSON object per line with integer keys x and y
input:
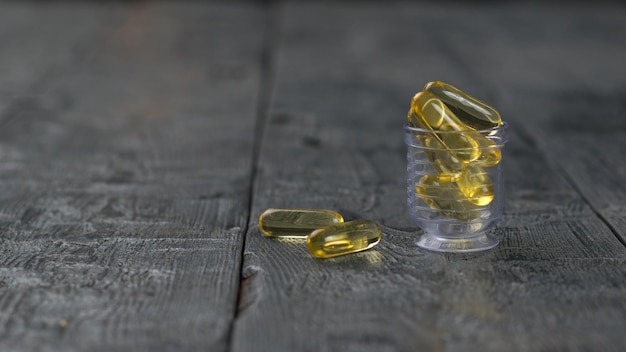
{"x": 476, "y": 243}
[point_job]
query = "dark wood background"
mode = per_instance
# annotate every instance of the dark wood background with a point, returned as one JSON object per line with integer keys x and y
{"x": 140, "y": 141}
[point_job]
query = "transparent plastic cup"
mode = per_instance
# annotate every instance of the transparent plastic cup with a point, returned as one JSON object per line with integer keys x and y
{"x": 438, "y": 196}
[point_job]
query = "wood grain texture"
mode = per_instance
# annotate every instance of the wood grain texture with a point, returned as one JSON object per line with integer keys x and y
{"x": 334, "y": 140}
{"x": 34, "y": 38}
{"x": 125, "y": 174}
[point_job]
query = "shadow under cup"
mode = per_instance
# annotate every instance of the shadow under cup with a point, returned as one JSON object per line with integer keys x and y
{"x": 455, "y": 193}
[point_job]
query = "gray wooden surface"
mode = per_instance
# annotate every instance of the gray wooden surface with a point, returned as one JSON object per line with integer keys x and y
{"x": 139, "y": 142}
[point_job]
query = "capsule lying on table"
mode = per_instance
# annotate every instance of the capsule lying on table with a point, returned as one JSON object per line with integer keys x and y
{"x": 296, "y": 222}
{"x": 346, "y": 238}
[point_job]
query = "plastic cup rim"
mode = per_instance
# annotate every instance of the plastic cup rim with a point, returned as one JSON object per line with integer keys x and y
{"x": 500, "y": 128}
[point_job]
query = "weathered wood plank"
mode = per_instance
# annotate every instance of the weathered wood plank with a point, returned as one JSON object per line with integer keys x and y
{"x": 334, "y": 140}
{"x": 125, "y": 179}
{"x": 34, "y": 37}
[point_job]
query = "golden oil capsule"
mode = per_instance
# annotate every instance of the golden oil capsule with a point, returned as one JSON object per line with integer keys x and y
{"x": 430, "y": 113}
{"x": 465, "y": 146}
{"x": 296, "y": 222}
{"x": 490, "y": 154}
{"x": 441, "y": 192}
{"x": 426, "y": 111}
{"x": 476, "y": 185}
{"x": 472, "y": 111}
{"x": 440, "y": 157}
{"x": 346, "y": 238}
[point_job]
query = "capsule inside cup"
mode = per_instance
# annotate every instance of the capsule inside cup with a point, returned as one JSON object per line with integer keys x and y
{"x": 345, "y": 238}
{"x": 440, "y": 157}
{"x": 442, "y": 192}
{"x": 453, "y": 142}
{"x": 476, "y": 185}
{"x": 296, "y": 222}
{"x": 428, "y": 112}
{"x": 469, "y": 109}
{"x": 490, "y": 154}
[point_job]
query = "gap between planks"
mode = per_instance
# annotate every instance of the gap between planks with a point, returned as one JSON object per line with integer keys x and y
{"x": 269, "y": 47}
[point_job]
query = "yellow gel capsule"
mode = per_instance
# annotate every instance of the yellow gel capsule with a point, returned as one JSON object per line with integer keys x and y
{"x": 438, "y": 154}
{"x": 346, "y": 238}
{"x": 472, "y": 111}
{"x": 432, "y": 114}
{"x": 461, "y": 146}
{"x": 428, "y": 111}
{"x": 296, "y": 222}
{"x": 490, "y": 154}
{"x": 441, "y": 159}
{"x": 476, "y": 185}
{"x": 442, "y": 193}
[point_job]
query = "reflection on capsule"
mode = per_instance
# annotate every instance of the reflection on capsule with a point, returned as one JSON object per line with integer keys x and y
{"x": 296, "y": 222}
{"x": 346, "y": 238}
{"x": 472, "y": 111}
{"x": 441, "y": 192}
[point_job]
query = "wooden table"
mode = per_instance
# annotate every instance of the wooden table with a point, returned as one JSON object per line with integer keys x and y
{"x": 139, "y": 142}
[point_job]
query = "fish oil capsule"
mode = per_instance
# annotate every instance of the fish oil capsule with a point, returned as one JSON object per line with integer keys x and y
{"x": 466, "y": 146}
{"x": 430, "y": 113}
{"x": 476, "y": 185}
{"x": 441, "y": 192}
{"x": 296, "y": 222}
{"x": 490, "y": 154}
{"x": 438, "y": 154}
{"x": 441, "y": 159}
{"x": 426, "y": 111}
{"x": 346, "y": 238}
{"x": 472, "y": 111}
